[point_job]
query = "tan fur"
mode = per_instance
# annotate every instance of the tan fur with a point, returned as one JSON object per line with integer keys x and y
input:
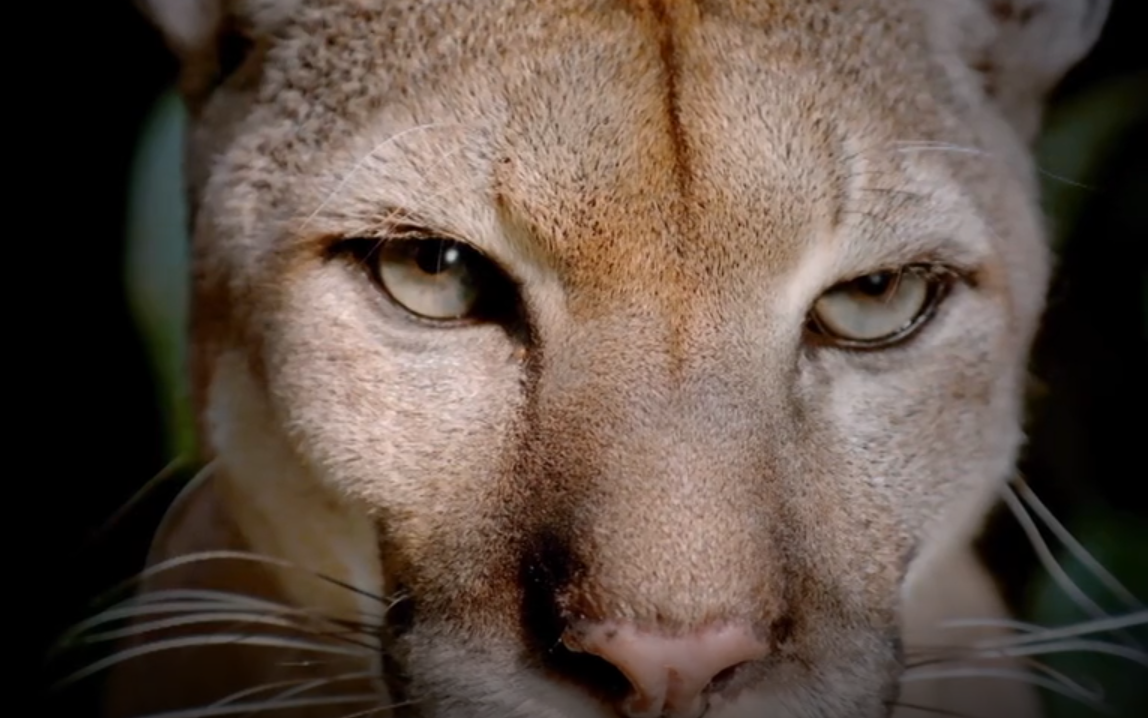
{"x": 673, "y": 183}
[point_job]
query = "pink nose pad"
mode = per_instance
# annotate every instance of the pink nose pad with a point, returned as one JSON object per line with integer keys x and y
{"x": 669, "y": 674}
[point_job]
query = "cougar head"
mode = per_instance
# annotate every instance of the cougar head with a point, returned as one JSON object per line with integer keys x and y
{"x": 655, "y": 353}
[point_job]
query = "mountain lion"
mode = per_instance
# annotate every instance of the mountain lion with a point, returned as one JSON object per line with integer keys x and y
{"x": 591, "y": 358}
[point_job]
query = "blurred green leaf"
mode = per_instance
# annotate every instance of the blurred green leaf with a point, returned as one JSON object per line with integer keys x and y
{"x": 1119, "y": 543}
{"x": 1078, "y": 141}
{"x": 157, "y": 271}
{"x": 1081, "y": 144}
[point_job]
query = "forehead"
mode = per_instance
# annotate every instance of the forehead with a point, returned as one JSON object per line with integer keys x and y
{"x": 603, "y": 138}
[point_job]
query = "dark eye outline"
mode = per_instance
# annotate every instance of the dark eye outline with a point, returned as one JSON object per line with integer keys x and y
{"x": 940, "y": 281}
{"x": 499, "y": 295}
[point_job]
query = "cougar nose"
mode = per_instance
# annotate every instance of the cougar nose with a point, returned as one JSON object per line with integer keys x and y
{"x": 668, "y": 674}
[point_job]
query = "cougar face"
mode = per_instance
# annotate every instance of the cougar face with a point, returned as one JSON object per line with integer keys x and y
{"x": 654, "y": 353}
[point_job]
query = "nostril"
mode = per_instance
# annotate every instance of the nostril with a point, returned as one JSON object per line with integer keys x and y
{"x": 590, "y": 671}
{"x": 722, "y": 680}
{"x": 667, "y": 675}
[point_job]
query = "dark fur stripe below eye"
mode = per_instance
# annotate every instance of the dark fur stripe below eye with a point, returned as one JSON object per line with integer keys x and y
{"x": 546, "y": 570}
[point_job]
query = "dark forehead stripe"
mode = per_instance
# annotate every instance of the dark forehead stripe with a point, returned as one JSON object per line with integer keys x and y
{"x": 643, "y": 74}
{"x": 665, "y": 18}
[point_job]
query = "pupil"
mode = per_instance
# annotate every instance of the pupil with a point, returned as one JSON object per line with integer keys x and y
{"x": 875, "y": 285}
{"x": 434, "y": 257}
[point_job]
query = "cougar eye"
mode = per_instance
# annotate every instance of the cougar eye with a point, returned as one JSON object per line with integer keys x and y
{"x": 878, "y": 309}
{"x": 438, "y": 279}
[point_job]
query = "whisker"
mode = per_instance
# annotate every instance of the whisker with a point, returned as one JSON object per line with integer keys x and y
{"x": 1021, "y": 626}
{"x": 172, "y": 600}
{"x": 231, "y": 598}
{"x": 935, "y": 146}
{"x": 1081, "y": 646}
{"x": 271, "y": 705}
{"x": 197, "y": 601}
{"x": 362, "y": 160}
{"x": 1075, "y": 683}
{"x": 1048, "y": 560}
{"x": 1075, "y": 547}
{"x": 303, "y": 687}
{"x": 312, "y": 663}
{"x": 895, "y": 192}
{"x": 1033, "y": 649}
{"x": 321, "y": 682}
{"x": 386, "y": 225}
{"x": 296, "y": 686}
{"x": 931, "y": 146}
{"x": 201, "y": 556}
{"x": 129, "y": 608}
{"x": 1065, "y": 180}
{"x": 926, "y": 709}
{"x": 166, "y": 474}
{"x": 1007, "y": 674}
{"x": 114, "y": 615}
{"x": 1039, "y": 633}
{"x": 209, "y": 640}
{"x": 235, "y": 619}
{"x": 1070, "y": 684}
{"x": 190, "y": 620}
{"x": 1046, "y": 557}
{"x": 380, "y": 709}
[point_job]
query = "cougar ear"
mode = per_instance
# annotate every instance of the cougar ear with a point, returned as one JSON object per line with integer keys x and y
{"x": 1021, "y": 49}
{"x": 214, "y": 39}
{"x": 187, "y": 25}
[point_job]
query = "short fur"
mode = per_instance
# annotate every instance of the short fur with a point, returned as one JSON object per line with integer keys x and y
{"x": 672, "y": 183}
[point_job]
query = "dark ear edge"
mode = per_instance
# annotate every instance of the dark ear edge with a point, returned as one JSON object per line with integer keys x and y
{"x": 210, "y": 38}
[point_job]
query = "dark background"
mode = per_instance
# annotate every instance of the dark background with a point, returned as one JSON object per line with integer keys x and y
{"x": 101, "y": 435}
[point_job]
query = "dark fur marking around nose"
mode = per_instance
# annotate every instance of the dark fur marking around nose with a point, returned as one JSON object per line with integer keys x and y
{"x": 781, "y": 631}
{"x": 891, "y": 691}
{"x": 547, "y": 570}
{"x": 400, "y": 616}
{"x": 398, "y": 621}
{"x": 898, "y": 646}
